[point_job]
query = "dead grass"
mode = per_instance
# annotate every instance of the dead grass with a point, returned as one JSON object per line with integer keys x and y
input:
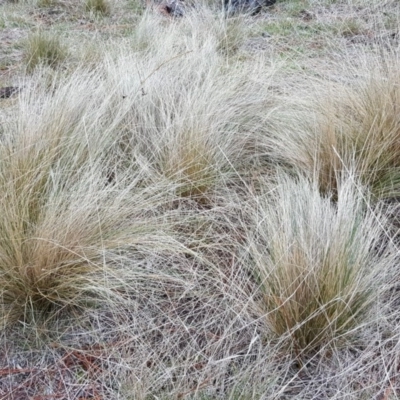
{"x": 342, "y": 128}
{"x": 59, "y": 203}
{"x": 98, "y": 6}
{"x": 44, "y": 49}
{"x": 199, "y": 208}
{"x": 316, "y": 266}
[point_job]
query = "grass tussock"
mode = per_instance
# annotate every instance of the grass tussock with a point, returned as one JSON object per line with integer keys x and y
{"x": 63, "y": 221}
{"x": 316, "y": 266}
{"x": 347, "y": 128}
{"x": 46, "y": 3}
{"x": 194, "y": 128}
{"x": 98, "y": 6}
{"x": 190, "y": 165}
{"x": 226, "y": 36}
{"x": 44, "y": 49}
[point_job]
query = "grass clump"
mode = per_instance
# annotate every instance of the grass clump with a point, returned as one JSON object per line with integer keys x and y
{"x": 63, "y": 223}
{"x": 190, "y": 164}
{"x": 317, "y": 264}
{"x": 46, "y": 3}
{"x": 343, "y": 129}
{"x": 192, "y": 127}
{"x": 349, "y": 28}
{"x": 364, "y": 125}
{"x": 44, "y": 49}
{"x": 231, "y": 35}
{"x": 101, "y": 7}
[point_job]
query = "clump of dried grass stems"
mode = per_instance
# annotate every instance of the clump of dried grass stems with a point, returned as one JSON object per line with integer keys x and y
{"x": 185, "y": 232}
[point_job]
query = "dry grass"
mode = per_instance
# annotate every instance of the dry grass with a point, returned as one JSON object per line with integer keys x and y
{"x": 44, "y": 49}
{"x": 62, "y": 218}
{"x": 98, "y": 6}
{"x": 317, "y": 267}
{"x": 200, "y": 208}
{"x": 347, "y": 128}
{"x": 192, "y": 128}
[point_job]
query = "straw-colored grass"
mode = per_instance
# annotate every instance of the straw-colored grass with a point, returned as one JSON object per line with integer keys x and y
{"x": 63, "y": 221}
{"x": 44, "y": 49}
{"x": 194, "y": 128}
{"x": 344, "y": 127}
{"x": 317, "y": 267}
{"x": 201, "y": 207}
{"x": 98, "y": 6}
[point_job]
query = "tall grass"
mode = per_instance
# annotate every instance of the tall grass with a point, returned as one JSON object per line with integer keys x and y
{"x": 63, "y": 221}
{"x": 340, "y": 128}
{"x": 186, "y": 118}
{"x": 316, "y": 263}
{"x": 101, "y": 7}
{"x": 44, "y": 49}
{"x": 191, "y": 221}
